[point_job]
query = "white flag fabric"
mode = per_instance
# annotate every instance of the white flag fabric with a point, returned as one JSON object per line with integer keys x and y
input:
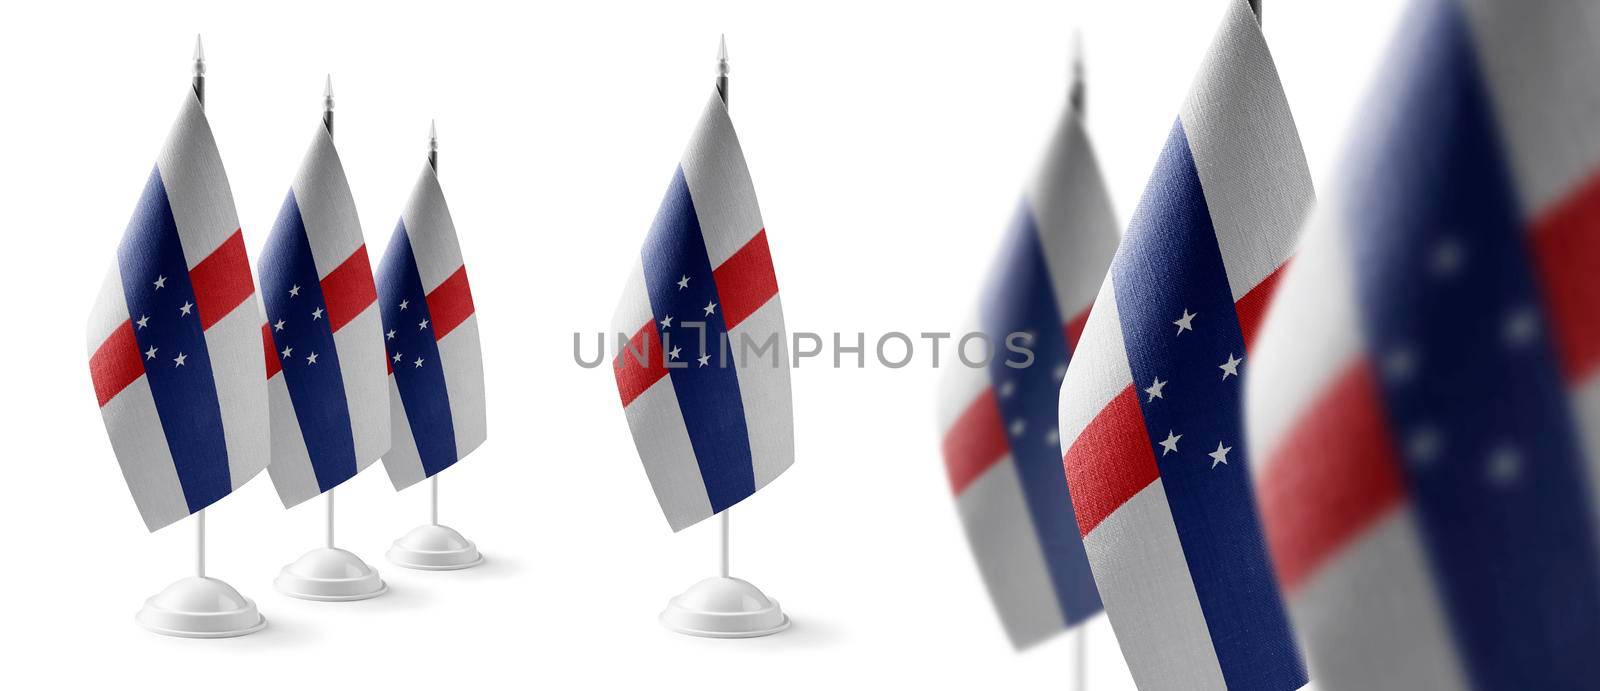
{"x": 174, "y": 337}
{"x": 704, "y": 375}
{"x": 436, "y": 395}
{"x": 1425, "y": 399}
{"x": 325, "y": 362}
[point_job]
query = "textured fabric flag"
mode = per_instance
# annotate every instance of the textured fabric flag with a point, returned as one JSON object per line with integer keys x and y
{"x": 1426, "y": 394}
{"x": 1151, "y": 424}
{"x": 998, "y": 423}
{"x": 704, "y": 374}
{"x": 174, "y": 340}
{"x": 430, "y": 328}
{"x": 325, "y": 361}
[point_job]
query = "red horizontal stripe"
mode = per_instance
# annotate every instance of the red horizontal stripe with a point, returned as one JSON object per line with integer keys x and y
{"x": 222, "y": 280}
{"x": 746, "y": 280}
{"x": 1252, "y": 308}
{"x": 348, "y": 289}
{"x": 1110, "y": 461}
{"x": 1074, "y": 329}
{"x": 270, "y": 349}
{"x": 450, "y": 303}
{"x": 975, "y": 442}
{"x": 1566, "y": 249}
{"x": 1335, "y": 474}
{"x": 116, "y": 363}
{"x": 633, "y": 378}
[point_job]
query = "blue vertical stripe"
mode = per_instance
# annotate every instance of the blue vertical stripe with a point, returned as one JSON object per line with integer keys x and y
{"x": 1449, "y": 302}
{"x": 185, "y": 394}
{"x": 1020, "y": 298}
{"x": 1168, "y": 264}
{"x": 292, "y": 292}
{"x": 713, "y": 411}
{"x": 422, "y": 386}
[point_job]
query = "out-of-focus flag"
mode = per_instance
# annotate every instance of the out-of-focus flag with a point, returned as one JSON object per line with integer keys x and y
{"x": 704, "y": 377}
{"x": 1151, "y": 422}
{"x": 1001, "y": 447}
{"x": 174, "y": 340}
{"x": 325, "y": 359}
{"x": 431, "y": 332}
{"x": 1426, "y": 394}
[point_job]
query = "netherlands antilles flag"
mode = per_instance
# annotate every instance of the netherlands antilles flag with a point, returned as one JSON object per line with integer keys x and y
{"x": 1426, "y": 394}
{"x": 174, "y": 337}
{"x": 325, "y": 360}
{"x": 704, "y": 375}
{"x": 436, "y": 398}
{"x": 998, "y": 424}
{"x": 1151, "y": 424}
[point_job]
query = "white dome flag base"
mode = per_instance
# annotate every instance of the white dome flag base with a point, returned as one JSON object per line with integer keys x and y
{"x": 434, "y": 547}
{"x": 724, "y": 607}
{"x": 200, "y": 607}
{"x": 330, "y": 574}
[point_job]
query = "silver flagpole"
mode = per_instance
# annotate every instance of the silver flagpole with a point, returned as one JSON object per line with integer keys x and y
{"x": 722, "y": 90}
{"x": 199, "y": 83}
{"x": 1076, "y": 100}
{"x": 327, "y": 123}
{"x": 433, "y": 162}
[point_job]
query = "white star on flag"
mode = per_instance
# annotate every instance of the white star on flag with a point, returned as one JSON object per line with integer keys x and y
{"x": 151, "y": 353}
{"x": 317, "y": 314}
{"x": 278, "y": 325}
{"x": 390, "y": 335}
{"x": 312, "y": 358}
{"x": 683, "y": 283}
{"x": 422, "y": 325}
{"x": 1170, "y": 444}
{"x": 1230, "y": 367}
{"x": 294, "y": 290}
{"x": 704, "y": 360}
{"x": 1185, "y": 322}
{"x": 1155, "y": 389}
{"x": 710, "y": 308}
{"x": 287, "y": 351}
{"x": 178, "y": 361}
{"x": 161, "y": 282}
{"x": 403, "y": 304}
{"x": 397, "y": 357}
{"x": 418, "y": 363}
{"x": 143, "y": 321}
{"x": 666, "y": 321}
{"x": 1220, "y": 455}
{"x": 184, "y": 310}
{"x": 674, "y": 352}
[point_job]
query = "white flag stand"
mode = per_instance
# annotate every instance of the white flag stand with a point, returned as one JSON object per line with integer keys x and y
{"x": 200, "y": 607}
{"x": 723, "y": 606}
{"x": 434, "y": 547}
{"x": 330, "y": 574}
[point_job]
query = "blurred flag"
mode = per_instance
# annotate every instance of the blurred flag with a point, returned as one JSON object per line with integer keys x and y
{"x": 1426, "y": 394}
{"x": 431, "y": 332}
{"x": 704, "y": 378}
{"x": 325, "y": 377}
{"x": 174, "y": 341}
{"x": 1001, "y": 448}
{"x": 1150, "y": 410}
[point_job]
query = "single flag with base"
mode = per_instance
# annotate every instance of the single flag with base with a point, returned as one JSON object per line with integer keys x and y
{"x": 1150, "y": 421}
{"x": 325, "y": 360}
{"x": 999, "y": 438}
{"x": 1425, "y": 399}
{"x": 704, "y": 377}
{"x": 174, "y": 357}
{"x": 436, "y": 397}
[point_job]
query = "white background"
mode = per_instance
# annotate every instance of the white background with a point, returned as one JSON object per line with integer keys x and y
{"x": 888, "y": 143}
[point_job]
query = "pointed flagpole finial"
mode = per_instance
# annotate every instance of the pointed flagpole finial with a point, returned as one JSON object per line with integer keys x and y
{"x": 1075, "y": 97}
{"x": 722, "y": 68}
{"x": 327, "y": 104}
{"x": 433, "y": 145}
{"x": 199, "y": 73}
{"x": 1255, "y": 6}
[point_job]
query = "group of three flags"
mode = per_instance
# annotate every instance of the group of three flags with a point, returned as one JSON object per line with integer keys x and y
{"x": 200, "y": 388}
{"x": 1403, "y": 484}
